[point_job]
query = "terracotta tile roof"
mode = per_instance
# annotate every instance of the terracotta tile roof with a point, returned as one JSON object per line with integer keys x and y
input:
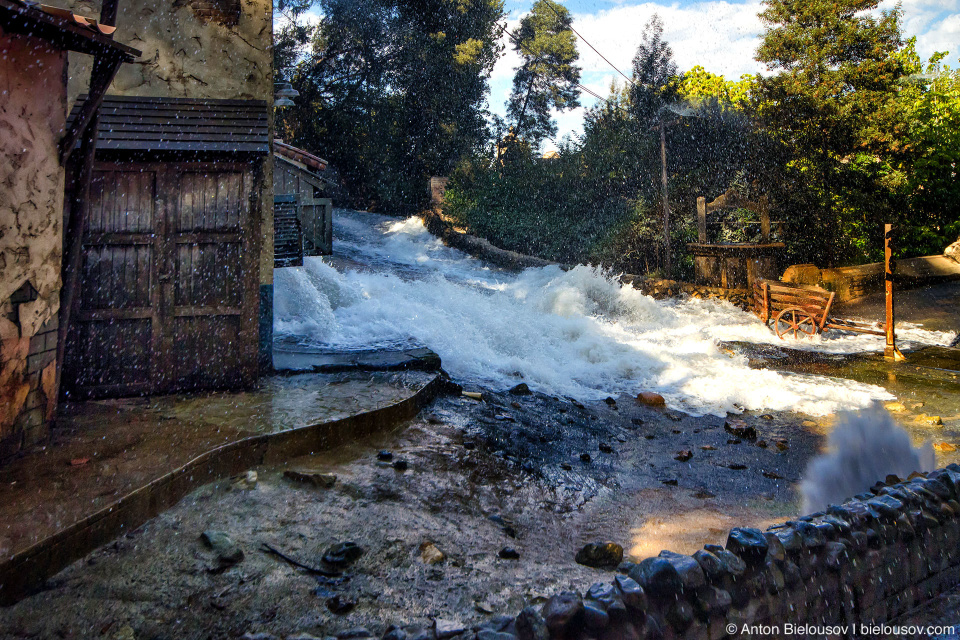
{"x": 66, "y": 14}
{"x": 61, "y": 27}
{"x": 299, "y": 155}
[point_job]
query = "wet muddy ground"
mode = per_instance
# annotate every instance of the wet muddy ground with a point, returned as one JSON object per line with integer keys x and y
{"x": 539, "y": 475}
{"x": 507, "y": 489}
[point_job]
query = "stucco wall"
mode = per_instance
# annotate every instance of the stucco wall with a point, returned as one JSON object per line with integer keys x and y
{"x": 31, "y": 210}
{"x": 186, "y": 53}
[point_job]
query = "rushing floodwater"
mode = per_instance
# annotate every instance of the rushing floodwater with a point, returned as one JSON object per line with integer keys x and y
{"x": 578, "y": 333}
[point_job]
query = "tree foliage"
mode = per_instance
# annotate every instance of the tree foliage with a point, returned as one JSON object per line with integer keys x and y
{"x": 654, "y": 74}
{"x": 548, "y": 77}
{"x": 838, "y": 67}
{"x": 393, "y": 91}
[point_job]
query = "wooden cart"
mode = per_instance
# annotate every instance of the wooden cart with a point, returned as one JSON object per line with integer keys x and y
{"x": 802, "y": 311}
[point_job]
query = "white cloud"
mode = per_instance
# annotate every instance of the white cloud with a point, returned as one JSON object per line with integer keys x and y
{"x": 720, "y": 35}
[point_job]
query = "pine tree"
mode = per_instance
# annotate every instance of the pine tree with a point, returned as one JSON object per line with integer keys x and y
{"x": 548, "y": 77}
{"x": 653, "y": 73}
{"x": 838, "y": 65}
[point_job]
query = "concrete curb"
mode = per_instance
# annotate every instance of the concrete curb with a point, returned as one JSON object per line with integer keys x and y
{"x": 25, "y": 572}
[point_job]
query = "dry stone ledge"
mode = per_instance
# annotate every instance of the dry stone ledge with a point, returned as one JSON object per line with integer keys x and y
{"x": 863, "y": 562}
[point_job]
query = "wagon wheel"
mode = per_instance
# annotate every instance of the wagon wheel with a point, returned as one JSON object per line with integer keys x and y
{"x": 796, "y": 321}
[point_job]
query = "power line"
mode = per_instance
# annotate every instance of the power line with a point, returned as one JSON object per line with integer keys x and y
{"x": 628, "y": 79}
{"x": 516, "y": 41}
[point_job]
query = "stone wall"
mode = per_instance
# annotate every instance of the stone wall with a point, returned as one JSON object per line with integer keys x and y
{"x": 834, "y": 574}
{"x": 31, "y": 210}
{"x": 660, "y": 289}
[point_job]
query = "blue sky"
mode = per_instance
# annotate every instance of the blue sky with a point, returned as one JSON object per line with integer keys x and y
{"x": 720, "y": 35}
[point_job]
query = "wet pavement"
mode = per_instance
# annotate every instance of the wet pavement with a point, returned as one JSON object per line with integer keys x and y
{"x": 936, "y": 307}
{"x": 540, "y": 474}
{"x": 102, "y": 450}
{"x": 535, "y": 473}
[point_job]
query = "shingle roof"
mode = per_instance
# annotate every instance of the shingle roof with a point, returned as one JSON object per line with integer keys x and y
{"x": 129, "y": 123}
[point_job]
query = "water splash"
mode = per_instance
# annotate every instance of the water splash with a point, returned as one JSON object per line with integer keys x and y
{"x": 865, "y": 447}
{"x": 578, "y": 333}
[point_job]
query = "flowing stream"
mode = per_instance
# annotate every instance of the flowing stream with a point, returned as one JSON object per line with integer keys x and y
{"x": 578, "y": 333}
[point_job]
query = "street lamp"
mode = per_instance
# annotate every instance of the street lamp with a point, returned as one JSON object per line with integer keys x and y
{"x": 282, "y": 92}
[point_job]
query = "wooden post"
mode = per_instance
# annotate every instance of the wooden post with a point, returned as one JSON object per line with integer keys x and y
{"x": 766, "y": 303}
{"x": 764, "y": 220}
{"x": 890, "y": 352}
{"x": 702, "y": 220}
{"x": 666, "y": 202}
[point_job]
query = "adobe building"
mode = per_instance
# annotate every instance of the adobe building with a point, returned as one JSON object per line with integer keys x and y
{"x": 34, "y": 47}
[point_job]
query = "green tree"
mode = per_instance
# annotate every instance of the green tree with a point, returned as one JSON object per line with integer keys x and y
{"x": 838, "y": 67}
{"x": 548, "y": 78}
{"x": 393, "y": 91}
{"x": 654, "y": 75}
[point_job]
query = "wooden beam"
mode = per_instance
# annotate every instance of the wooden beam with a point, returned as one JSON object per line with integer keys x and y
{"x": 764, "y": 220}
{"x": 104, "y": 70}
{"x": 666, "y": 204}
{"x": 702, "y": 220}
{"x": 108, "y": 13}
{"x": 79, "y": 204}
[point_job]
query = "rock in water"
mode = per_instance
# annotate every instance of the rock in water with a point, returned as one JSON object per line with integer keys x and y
{"x": 448, "y": 628}
{"x": 521, "y": 390}
{"x": 651, "y": 399}
{"x": 342, "y": 554}
{"x": 740, "y": 429}
{"x": 600, "y": 555}
{"x": 509, "y": 553}
{"x": 314, "y": 478}
{"x": 228, "y": 552}
{"x": 340, "y": 605}
{"x": 430, "y": 554}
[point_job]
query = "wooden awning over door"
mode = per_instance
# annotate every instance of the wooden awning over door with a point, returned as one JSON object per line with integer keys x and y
{"x": 181, "y": 125}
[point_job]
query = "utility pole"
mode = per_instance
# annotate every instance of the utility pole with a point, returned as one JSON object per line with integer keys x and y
{"x": 666, "y": 201}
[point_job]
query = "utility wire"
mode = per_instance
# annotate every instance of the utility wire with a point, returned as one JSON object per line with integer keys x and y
{"x": 516, "y": 41}
{"x": 629, "y": 79}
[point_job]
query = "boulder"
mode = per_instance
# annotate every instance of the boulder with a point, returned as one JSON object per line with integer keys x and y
{"x": 600, "y": 555}
{"x": 953, "y": 251}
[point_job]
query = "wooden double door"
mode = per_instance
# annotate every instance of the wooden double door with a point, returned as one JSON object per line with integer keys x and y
{"x": 169, "y": 292}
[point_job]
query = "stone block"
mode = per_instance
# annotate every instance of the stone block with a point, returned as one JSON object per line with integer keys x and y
{"x": 37, "y": 431}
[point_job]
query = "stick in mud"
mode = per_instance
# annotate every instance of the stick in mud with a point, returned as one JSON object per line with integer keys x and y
{"x": 266, "y": 548}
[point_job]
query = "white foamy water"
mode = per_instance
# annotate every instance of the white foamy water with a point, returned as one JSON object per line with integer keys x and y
{"x": 578, "y": 333}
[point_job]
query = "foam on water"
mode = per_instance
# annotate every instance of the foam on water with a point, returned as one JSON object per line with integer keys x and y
{"x": 576, "y": 333}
